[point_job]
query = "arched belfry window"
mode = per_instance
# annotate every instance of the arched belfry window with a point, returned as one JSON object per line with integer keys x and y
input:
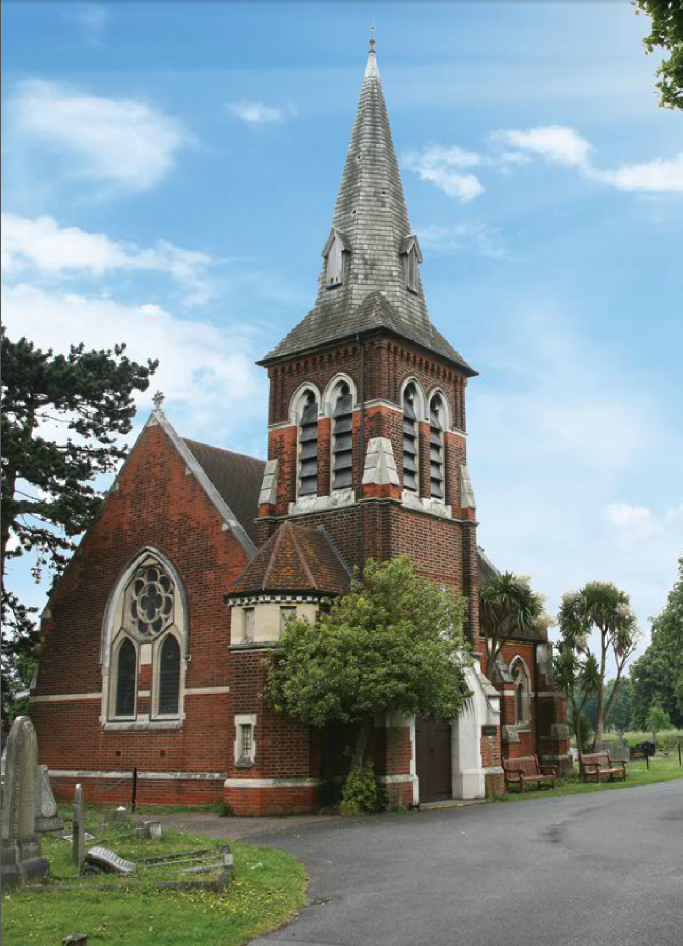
{"x": 145, "y": 625}
{"x": 335, "y": 259}
{"x": 126, "y": 678}
{"x": 410, "y": 439}
{"x": 308, "y": 446}
{"x": 436, "y": 447}
{"x": 342, "y": 437}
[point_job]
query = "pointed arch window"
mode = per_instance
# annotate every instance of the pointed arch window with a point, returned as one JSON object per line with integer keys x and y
{"x": 436, "y": 447}
{"x": 146, "y": 629}
{"x": 126, "y": 679}
{"x": 308, "y": 446}
{"x": 169, "y": 677}
{"x": 342, "y": 438}
{"x": 410, "y": 440}
{"x": 520, "y": 675}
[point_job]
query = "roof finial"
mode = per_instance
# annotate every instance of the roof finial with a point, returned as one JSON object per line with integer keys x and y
{"x": 372, "y": 35}
{"x": 158, "y": 400}
{"x": 371, "y": 68}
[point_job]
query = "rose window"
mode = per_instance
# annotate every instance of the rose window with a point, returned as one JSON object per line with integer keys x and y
{"x": 151, "y": 606}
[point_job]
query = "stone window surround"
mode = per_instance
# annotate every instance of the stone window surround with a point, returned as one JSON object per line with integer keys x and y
{"x": 245, "y": 719}
{"x": 520, "y": 674}
{"x": 146, "y": 651}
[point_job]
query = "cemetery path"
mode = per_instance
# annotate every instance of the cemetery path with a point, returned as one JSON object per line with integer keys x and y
{"x": 235, "y": 829}
{"x": 575, "y": 870}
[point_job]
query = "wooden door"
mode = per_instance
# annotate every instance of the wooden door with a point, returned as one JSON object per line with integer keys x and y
{"x": 433, "y": 758}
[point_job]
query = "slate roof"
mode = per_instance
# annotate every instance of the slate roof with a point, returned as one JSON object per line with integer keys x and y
{"x": 371, "y": 214}
{"x": 295, "y": 559}
{"x": 237, "y": 479}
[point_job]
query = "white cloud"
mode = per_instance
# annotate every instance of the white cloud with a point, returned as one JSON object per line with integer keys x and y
{"x": 459, "y": 237}
{"x": 658, "y": 176}
{"x": 119, "y": 141}
{"x": 206, "y": 372}
{"x": 43, "y": 245}
{"x": 554, "y": 143}
{"x": 558, "y": 144}
{"x": 442, "y": 166}
{"x": 633, "y": 522}
{"x": 256, "y": 113}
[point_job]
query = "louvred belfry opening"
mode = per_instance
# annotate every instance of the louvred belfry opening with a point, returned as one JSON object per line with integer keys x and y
{"x": 410, "y": 440}
{"x": 308, "y": 445}
{"x": 342, "y": 450}
{"x": 436, "y": 448}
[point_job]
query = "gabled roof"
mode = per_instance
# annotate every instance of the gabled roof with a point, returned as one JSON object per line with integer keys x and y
{"x": 237, "y": 479}
{"x": 372, "y": 217}
{"x": 295, "y": 559}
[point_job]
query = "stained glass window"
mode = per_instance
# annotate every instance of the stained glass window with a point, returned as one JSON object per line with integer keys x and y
{"x": 169, "y": 677}
{"x": 126, "y": 678}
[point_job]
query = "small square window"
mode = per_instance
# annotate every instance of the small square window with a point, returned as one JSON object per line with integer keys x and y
{"x": 249, "y": 621}
{"x": 286, "y": 615}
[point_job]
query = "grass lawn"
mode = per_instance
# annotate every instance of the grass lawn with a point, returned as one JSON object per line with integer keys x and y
{"x": 267, "y": 889}
{"x": 661, "y": 770}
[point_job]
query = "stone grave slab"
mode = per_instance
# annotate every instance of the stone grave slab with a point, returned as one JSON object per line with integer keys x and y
{"x": 101, "y": 860}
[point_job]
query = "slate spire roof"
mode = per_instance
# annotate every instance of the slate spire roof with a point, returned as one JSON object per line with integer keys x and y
{"x": 371, "y": 219}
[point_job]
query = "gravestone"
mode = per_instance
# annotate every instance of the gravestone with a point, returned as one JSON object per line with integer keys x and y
{"x": 102, "y": 860}
{"x": 78, "y": 828}
{"x": 150, "y": 830}
{"x": 47, "y": 818}
{"x": 21, "y": 859}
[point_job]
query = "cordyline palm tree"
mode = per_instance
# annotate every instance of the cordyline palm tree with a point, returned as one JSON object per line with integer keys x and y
{"x": 599, "y": 606}
{"x": 507, "y": 606}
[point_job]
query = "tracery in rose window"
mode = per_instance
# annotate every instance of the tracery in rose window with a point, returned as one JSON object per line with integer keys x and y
{"x": 151, "y": 596}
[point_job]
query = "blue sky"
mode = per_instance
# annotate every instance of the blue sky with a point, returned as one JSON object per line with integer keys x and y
{"x": 170, "y": 173}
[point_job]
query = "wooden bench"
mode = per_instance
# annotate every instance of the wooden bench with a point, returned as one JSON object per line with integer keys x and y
{"x": 593, "y": 765}
{"x": 527, "y": 769}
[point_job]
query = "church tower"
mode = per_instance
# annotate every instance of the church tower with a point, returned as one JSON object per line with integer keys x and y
{"x": 367, "y": 399}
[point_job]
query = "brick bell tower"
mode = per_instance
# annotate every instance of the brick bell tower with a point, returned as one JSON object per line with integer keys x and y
{"x": 367, "y": 399}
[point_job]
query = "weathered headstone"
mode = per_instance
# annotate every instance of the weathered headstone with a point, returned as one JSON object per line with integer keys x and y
{"x": 75, "y": 939}
{"x": 47, "y": 818}
{"x": 150, "y": 830}
{"x": 21, "y": 855}
{"x": 101, "y": 859}
{"x": 78, "y": 828}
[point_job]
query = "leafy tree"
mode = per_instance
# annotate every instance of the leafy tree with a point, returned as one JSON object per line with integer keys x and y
{"x": 657, "y": 720}
{"x": 667, "y": 34}
{"x": 658, "y": 675}
{"x": 507, "y": 606}
{"x": 395, "y": 642}
{"x": 575, "y": 673}
{"x": 620, "y": 716}
{"x": 599, "y": 607}
{"x": 49, "y": 493}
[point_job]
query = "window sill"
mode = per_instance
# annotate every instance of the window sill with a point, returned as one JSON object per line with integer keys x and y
{"x": 141, "y": 725}
{"x": 244, "y": 763}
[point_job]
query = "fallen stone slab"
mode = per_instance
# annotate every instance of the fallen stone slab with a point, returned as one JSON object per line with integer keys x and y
{"x": 102, "y": 860}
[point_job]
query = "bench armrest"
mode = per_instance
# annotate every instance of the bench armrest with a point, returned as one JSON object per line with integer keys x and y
{"x": 548, "y": 769}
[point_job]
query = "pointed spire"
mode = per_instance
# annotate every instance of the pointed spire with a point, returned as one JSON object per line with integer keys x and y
{"x": 371, "y": 69}
{"x": 373, "y": 231}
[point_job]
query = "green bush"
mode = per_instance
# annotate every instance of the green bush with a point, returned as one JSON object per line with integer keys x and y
{"x": 361, "y": 792}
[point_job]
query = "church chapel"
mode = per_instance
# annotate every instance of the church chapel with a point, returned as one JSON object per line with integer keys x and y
{"x": 153, "y": 642}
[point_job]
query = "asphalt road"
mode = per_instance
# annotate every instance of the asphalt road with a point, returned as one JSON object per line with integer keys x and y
{"x": 584, "y": 870}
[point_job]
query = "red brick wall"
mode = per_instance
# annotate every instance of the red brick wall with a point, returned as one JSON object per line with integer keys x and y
{"x": 159, "y": 505}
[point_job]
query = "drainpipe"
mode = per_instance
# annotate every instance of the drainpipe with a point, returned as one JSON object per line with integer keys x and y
{"x": 538, "y": 752}
{"x": 361, "y": 524}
